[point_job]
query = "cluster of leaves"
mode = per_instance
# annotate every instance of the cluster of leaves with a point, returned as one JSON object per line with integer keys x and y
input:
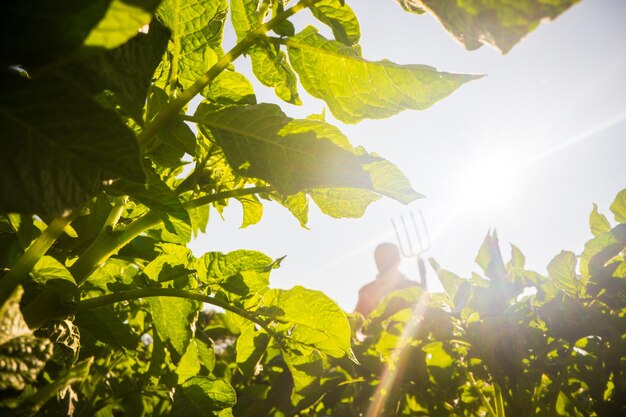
{"x": 107, "y": 171}
{"x": 510, "y": 342}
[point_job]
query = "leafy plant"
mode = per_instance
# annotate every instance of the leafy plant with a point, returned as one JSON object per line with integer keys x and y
{"x": 107, "y": 171}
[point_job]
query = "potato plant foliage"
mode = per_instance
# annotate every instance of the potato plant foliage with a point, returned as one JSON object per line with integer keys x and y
{"x": 107, "y": 171}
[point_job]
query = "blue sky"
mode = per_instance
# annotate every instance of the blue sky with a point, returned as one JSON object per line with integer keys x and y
{"x": 525, "y": 150}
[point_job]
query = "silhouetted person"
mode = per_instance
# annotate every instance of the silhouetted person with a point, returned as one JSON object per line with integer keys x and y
{"x": 389, "y": 279}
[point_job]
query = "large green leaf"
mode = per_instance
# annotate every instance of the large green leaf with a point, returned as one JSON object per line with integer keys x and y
{"x": 122, "y": 21}
{"x": 618, "y": 207}
{"x": 48, "y": 268}
{"x": 311, "y": 318}
{"x": 269, "y": 63}
{"x": 261, "y": 141}
{"x": 58, "y": 146}
{"x": 251, "y": 346}
{"x": 173, "y": 318}
{"x": 126, "y": 70}
{"x": 197, "y": 29}
{"x": 157, "y": 196}
{"x": 22, "y": 355}
{"x": 357, "y": 89}
{"x": 562, "y": 271}
{"x": 240, "y": 272}
{"x": 343, "y": 202}
{"x": 501, "y": 24}
{"x": 598, "y": 222}
{"x": 34, "y": 33}
{"x": 340, "y": 18}
{"x": 201, "y": 396}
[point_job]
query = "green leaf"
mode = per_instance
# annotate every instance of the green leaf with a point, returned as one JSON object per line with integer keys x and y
{"x": 73, "y": 158}
{"x": 175, "y": 135}
{"x": 261, "y": 141}
{"x": 189, "y": 364}
{"x": 618, "y": 207}
{"x": 103, "y": 324}
{"x": 340, "y": 18}
{"x": 612, "y": 241}
{"x": 436, "y": 355}
{"x": 201, "y": 395}
{"x": 230, "y": 88}
{"x": 176, "y": 261}
{"x": 598, "y": 222}
{"x": 562, "y": 271}
{"x": 297, "y": 204}
{"x": 158, "y": 197}
{"x": 48, "y": 268}
{"x": 269, "y": 63}
{"x": 240, "y": 272}
{"x": 313, "y": 319}
{"x": 358, "y": 89}
{"x": 501, "y": 24}
{"x": 306, "y": 368}
{"x": 251, "y": 346}
{"x": 449, "y": 281}
{"x": 122, "y": 21}
{"x": 386, "y": 178}
{"x": 172, "y": 319}
{"x": 252, "y": 210}
{"x": 22, "y": 355}
{"x": 197, "y": 28}
{"x": 518, "y": 260}
{"x": 56, "y": 30}
{"x": 343, "y": 202}
{"x": 490, "y": 258}
{"x": 126, "y": 70}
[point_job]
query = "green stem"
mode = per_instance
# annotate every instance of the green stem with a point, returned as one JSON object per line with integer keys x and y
{"x": 33, "y": 254}
{"x": 109, "y": 243}
{"x": 483, "y": 399}
{"x": 172, "y": 292}
{"x": 499, "y": 400}
{"x": 168, "y": 114}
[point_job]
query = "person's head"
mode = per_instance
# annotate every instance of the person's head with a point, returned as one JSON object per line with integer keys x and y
{"x": 387, "y": 257}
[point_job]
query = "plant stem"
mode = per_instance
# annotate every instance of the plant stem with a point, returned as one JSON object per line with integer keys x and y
{"x": 172, "y": 292}
{"x": 168, "y": 114}
{"x": 483, "y": 399}
{"x": 33, "y": 254}
{"x": 107, "y": 244}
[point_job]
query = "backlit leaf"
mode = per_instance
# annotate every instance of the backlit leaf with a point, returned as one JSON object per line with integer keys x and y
{"x": 340, "y": 18}
{"x": 501, "y": 24}
{"x": 201, "y": 396}
{"x": 261, "y": 141}
{"x": 562, "y": 271}
{"x": 312, "y": 318}
{"x": 252, "y": 210}
{"x": 72, "y": 158}
{"x": 357, "y": 89}
{"x": 269, "y": 63}
{"x": 197, "y": 29}
{"x": 157, "y": 196}
{"x": 172, "y": 319}
{"x": 241, "y": 272}
{"x": 251, "y": 346}
{"x": 618, "y": 207}
{"x": 122, "y": 21}
{"x": 343, "y": 202}
{"x": 598, "y": 222}
{"x": 48, "y": 268}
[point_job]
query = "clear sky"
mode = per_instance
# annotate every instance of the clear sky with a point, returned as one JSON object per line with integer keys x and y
{"x": 525, "y": 150}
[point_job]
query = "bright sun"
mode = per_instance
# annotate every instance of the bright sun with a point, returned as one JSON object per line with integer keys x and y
{"x": 490, "y": 183}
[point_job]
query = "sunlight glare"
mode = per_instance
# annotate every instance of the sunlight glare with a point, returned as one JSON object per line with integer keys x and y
{"x": 490, "y": 183}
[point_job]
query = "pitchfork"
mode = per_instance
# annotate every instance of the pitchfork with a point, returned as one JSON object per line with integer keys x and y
{"x": 421, "y": 239}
